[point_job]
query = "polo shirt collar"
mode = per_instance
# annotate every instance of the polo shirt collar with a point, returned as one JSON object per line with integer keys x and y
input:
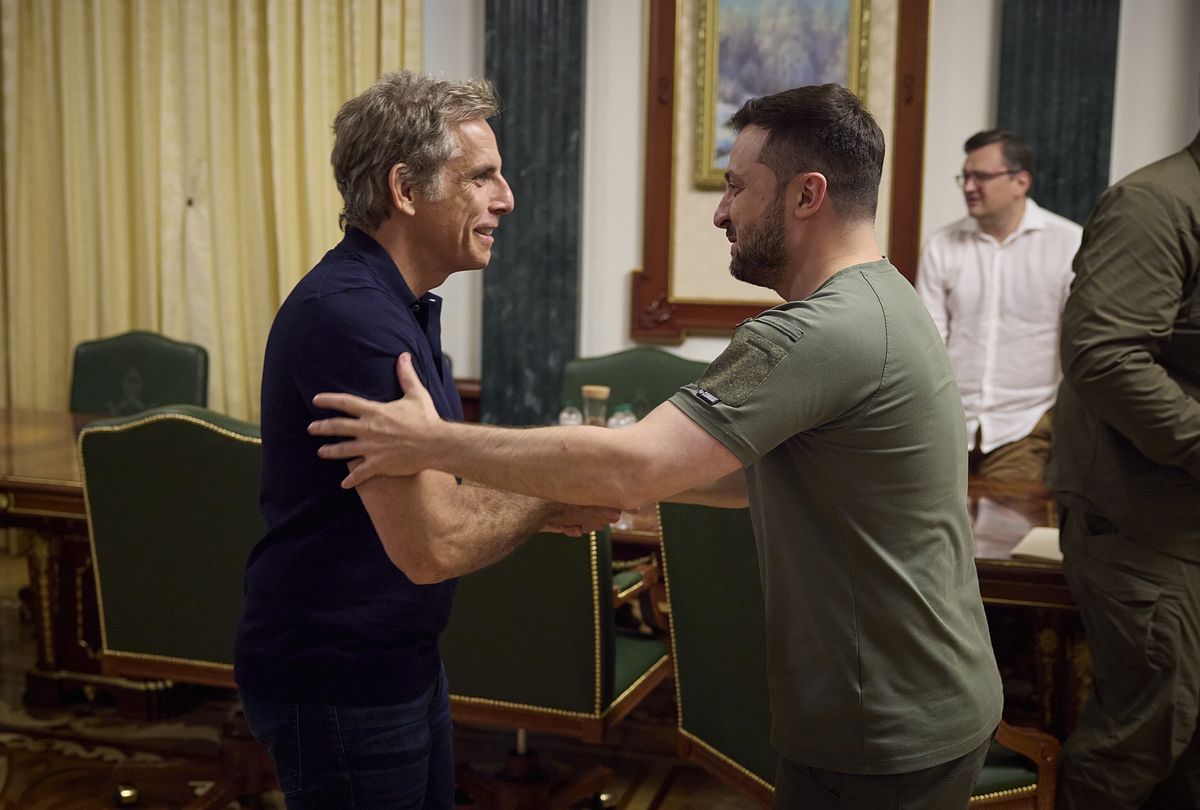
{"x": 383, "y": 268}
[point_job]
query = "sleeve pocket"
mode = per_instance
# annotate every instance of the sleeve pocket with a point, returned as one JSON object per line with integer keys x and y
{"x": 736, "y": 374}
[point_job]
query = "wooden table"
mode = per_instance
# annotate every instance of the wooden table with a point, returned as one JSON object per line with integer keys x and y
{"x": 1001, "y": 514}
{"x": 1035, "y": 626}
{"x": 39, "y": 472}
{"x": 40, "y": 491}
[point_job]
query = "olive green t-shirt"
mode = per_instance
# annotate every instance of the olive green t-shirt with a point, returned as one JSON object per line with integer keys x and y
{"x": 845, "y": 412}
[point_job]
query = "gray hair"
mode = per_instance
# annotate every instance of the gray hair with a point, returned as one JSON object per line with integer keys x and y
{"x": 403, "y": 117}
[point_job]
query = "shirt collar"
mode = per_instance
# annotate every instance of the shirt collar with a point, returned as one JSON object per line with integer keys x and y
{"x": 1033, "y": 219}
{"x": 383, "y": 268}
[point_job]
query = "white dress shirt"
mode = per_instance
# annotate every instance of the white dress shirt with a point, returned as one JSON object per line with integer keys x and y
{"x": 997, "y": 305}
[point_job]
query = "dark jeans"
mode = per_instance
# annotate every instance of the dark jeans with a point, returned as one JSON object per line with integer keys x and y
{"x": 362, "y": 757}
{"x": 1137, "y": 744}
{"x": 943, "y": 787}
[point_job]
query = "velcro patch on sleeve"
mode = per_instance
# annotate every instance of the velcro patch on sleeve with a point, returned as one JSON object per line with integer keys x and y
{"x": 735, "y": 375}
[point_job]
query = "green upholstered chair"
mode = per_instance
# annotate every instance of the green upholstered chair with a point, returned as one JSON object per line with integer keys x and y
{"x": 718, "y": 639}
{"x": 172, "y": 504}
{"x": 642, "y": 376}
{"x": 531, "y": 645}
{"x": 719, "y": 644}
{"x": 1020, "y": 770}
{"x": 135, "y": 371}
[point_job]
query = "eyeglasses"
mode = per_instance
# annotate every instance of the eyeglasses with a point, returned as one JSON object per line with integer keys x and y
{"x": 981, "y": 177}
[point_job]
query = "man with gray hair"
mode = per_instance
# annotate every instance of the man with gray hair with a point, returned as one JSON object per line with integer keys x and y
{"x": 347, "y": 592}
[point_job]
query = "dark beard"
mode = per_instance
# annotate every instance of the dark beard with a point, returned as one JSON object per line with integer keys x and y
{"x": 761, "y": 256}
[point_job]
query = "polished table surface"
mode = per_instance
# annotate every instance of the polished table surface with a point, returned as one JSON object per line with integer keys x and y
{"x": 39, "y": 469}
{"x": 1001, "y": 514}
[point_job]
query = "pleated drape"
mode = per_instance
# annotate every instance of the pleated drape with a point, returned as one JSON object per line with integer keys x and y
{"x": 166, "y": 167}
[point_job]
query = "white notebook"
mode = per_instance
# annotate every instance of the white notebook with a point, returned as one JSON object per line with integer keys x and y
{"x": 1040, "y": 544}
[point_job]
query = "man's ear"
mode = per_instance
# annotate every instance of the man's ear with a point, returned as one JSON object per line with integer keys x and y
{"x": 808, "y": 192}
{"x": 1024, "y": 180}
{"x": 400, "y": 189}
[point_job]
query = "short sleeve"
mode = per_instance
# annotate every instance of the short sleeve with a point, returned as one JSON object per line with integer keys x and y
{"x": 350, "y": 348}
{"x": 784, "y": 374}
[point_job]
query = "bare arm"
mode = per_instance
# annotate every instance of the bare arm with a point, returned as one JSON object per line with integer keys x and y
{"x": 433, "y": 529}
{"x": 729, "y": 492}
{"x": 664, "y": 454}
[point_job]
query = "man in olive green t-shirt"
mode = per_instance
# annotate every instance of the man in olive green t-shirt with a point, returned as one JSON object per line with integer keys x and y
{"x": 878, "y": 654}
{"x": 835, "y": 416}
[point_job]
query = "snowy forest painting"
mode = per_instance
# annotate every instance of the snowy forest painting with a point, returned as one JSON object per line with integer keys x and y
{"x": 756, "y": 47}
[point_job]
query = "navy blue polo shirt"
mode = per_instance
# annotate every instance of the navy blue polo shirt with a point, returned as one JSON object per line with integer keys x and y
{"x": 328, "y": 618}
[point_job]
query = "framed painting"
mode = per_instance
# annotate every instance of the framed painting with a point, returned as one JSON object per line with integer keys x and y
{"x": 751, "y": 48}
{"x": 684, "y": 286}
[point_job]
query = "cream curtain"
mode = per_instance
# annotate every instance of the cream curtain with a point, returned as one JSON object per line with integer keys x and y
{"x": 166, "y": 167}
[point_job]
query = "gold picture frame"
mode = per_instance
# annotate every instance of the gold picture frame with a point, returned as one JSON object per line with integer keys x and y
{"x": 709, "y": 168}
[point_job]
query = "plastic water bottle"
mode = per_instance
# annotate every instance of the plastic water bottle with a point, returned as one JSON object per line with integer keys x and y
{"x": 623, "y": 416}
{"x": 570, "y": 415}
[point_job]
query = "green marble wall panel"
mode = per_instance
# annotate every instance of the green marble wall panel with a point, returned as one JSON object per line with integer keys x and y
{"x": 534, "y": 55}
{"x": 1058, "y": 62}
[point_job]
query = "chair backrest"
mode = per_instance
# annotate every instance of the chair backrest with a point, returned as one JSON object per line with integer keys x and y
{"x": 643, "y": 376}
{"x": 172, "y": 502}
{"x": 535, "y": 633}
{"x": 136, "y": 371}
{"x": 719, "y": 642}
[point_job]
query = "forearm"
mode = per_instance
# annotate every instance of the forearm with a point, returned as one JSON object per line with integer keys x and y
{"x": 487, "y": 526}
{"x": 581, "y": 465}
{"x": 433, "y": 529}
{"x": 729, "y": 492}
{"x": 665, "y": 453}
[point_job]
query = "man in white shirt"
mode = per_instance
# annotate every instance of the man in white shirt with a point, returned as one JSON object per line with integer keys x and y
{"x": 995, "y": 283}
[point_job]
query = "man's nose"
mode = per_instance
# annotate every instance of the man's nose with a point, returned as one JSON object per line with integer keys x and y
{"x": 504, "y": 201}
{"x": 721, "y": 215}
